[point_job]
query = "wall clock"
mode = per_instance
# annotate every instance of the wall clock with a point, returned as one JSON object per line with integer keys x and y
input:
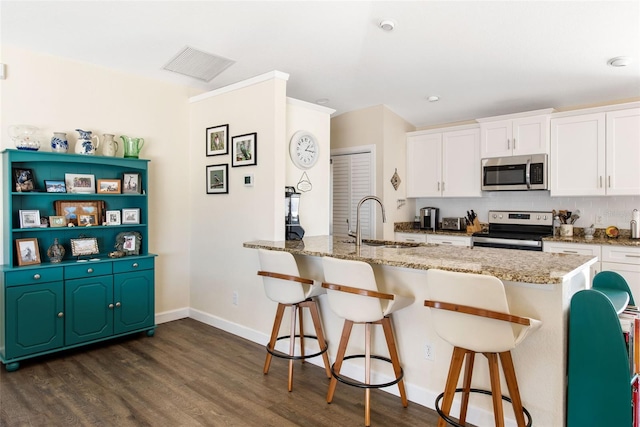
{"x": 303, "y": 149}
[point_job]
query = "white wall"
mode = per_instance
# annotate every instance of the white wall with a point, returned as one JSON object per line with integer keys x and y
{"x": 55, "y": 94}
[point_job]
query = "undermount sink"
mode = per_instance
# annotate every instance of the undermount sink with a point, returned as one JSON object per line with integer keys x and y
{"x": 383, "y": 244}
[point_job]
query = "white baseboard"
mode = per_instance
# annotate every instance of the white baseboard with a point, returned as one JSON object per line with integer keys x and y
{"x": 415, "y": 394}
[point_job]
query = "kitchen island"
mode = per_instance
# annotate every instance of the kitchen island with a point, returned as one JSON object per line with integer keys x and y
{"x": 538, "y": 285}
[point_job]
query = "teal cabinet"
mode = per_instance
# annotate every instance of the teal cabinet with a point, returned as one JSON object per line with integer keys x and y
{"x": 134, "y": 307}
{"x": 89, "y": 308}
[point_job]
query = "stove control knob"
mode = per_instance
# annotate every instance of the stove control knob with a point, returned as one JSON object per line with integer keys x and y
{"x": 538, "y": 217}
{"x": 495, "y": 216}
{"x": 500, "y": 216}
{"x": 544, "y": 217}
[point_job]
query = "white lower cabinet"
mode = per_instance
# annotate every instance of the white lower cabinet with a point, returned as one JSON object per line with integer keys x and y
{"x": 576, "y": 249}
{"x": 624, "y": 260}
{"x": 411, "y": 237}
{"x": 443, "y": 239}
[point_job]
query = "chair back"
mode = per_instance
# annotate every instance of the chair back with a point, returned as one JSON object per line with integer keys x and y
{"x": 612, "y": 280}
{"x": 279, "y": 290}
{"x": 476, "y": 333}
{"x": 355, "y": 274}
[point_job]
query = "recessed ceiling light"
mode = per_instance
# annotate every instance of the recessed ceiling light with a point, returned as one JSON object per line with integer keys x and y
{"x": 387, "y": 25}
{"x": 619, "y": 61}
{"x": 322, "y": 101}
{"x": 433, "y": 98}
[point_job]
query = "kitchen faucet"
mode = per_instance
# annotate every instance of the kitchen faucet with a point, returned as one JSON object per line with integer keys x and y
{"x": 357, "y": 234}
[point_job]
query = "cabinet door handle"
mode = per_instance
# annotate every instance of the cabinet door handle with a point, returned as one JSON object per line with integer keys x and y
{"x": 442, "y": 185}
{"x": 447, "y": 243}
{"x": 508, "y": 144}
{"x": 135, "y": 265}
{"x": 409, "y": 240}
{"x": 110, "y": 306}
{"x": 514, "y": 143}
{"x": 89, "y": 270}
{"x": 569, "y": 252}
{"x": 36, "y": 276}
{"x": 438, "y": 185}
{"x": 632, "y": 256}
{"x": 600, "y": 181}
{"x": 61, "y": 314}
{"x": 609, "y": 181}
{"x": 118, "y": 304}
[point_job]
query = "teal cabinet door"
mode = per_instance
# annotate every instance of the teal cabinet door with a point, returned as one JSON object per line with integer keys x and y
{"x": 89, "y": 309}
{"x": 133, "y": 294}
{"x": 35, "y": 318}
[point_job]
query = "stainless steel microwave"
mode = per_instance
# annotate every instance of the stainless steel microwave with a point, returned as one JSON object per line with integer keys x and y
{"x": 515, "y": 173}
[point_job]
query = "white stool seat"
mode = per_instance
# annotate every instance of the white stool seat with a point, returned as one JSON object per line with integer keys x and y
{"x": 471, "y": 312}
{"x": 283, "y": 284}
{"x": 353, "y": 295}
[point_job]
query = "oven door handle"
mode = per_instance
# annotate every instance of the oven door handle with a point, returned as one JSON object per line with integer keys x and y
{"x": 528, "y": 174}
{"x": 490, "y": 240}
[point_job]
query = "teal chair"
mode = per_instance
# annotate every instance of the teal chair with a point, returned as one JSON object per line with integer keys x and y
{"x": 612, "y": 280}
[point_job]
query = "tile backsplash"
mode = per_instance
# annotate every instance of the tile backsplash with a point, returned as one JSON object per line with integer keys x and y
{"x": 601, "y": 211}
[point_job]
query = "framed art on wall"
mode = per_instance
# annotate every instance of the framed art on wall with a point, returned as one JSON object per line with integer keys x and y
{"x": 218, "y": 179}
{"x": 218, "y": 140}
{"x": 244, "y": 150}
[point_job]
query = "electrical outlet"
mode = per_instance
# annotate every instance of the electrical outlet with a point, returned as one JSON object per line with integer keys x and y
{"x": 599, "y": 220}
{"x": 429, "y": 352}
{"x": 234, "y": 298}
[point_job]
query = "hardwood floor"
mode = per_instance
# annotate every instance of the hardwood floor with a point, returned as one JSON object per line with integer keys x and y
{"x": 189, "y": 374}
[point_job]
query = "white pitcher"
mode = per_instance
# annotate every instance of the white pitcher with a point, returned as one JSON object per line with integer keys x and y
{"x": 109, "y": 145}
{"x": 85, "y": 143}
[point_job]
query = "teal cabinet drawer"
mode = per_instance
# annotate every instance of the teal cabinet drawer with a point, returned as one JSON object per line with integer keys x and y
{"x": 32, "y": 276}
{"x": 127, "y": 265}
{"x": 87, "y": 269}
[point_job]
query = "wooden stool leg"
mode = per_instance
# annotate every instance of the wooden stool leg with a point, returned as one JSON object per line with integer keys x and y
{"x": 494, "y": 374}
{"x": 395, "y": 360}
{"x": 367, "y": 374}
{"x": 292, "y": 343}
{"x": 512, "y": 385}
{"x": 301, "y": 329}
{"x": 452, "y": 381}
{"x": 315, "y": 316}
{"x": 466, "y": 387}
{"x": 274, "y": 336}
{"x": 342, "y": 348}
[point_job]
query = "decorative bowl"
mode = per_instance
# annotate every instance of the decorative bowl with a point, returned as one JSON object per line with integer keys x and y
{"x": 25, "y": 137}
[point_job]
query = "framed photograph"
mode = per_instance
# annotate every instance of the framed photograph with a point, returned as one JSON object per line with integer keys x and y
{"x": 84, "y": 246}
{"x": 131, "y": 216}
{"x": 57, "y": 221}
{"x": 87, "y": 220}
{"x": 243, "y": 150}
{"x": 72, "y": 209}
{"x": 113, "y": 217}
{"x": 28, "y": 251}
{"x": 129, "y": 242}
{"x": 131, "y": 183}
{"x": 109, "y": 186}
{"x": 218, "y": 140}
{"x": 24, "y": 180}
{"x": 218, "y": 179}
{"x": 56, "y": 186}
{"x": 29, "y": 219}
{"x": 80, "y": 183}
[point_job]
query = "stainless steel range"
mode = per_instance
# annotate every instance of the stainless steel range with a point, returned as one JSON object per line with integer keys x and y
{"x": 515, "y": 230}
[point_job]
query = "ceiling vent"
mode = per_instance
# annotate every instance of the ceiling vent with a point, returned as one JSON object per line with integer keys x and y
{"x": 197, "y": 64}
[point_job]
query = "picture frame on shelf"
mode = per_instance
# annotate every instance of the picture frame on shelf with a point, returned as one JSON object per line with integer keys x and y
{"x": 109, "y": 186}
{"x": 218, "y": 140}
{"x": 55, "y": 186}
{"x": 131, "y": 183}
{"x": 57, "y": 221}
{"x": 80, "y": 183}
{"x": 87, "y": 220}
{"x": 129, "y": 242}
{"x": 84, "y": 246}
{"x": 218, "y": 179}
{"x": 113, "y": 217}
{"x": 28, "y": 252}
{"x": 244, "y": 150}
{"x": 29, "y": 218}
{"x": 72, "y": 209}
{"x": 24, "y": 180}
{"x": 131, "y": 216}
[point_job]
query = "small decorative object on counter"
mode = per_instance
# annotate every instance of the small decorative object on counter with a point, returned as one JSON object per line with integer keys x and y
{"x": 589, "y": 232}
{"x": 56, "y": 251}
{"x": 132, "y": 146}
{"x": 109, "y": 145}
{"x": 85, "y": 143}
{"x": 59, "y": 143}
{"x": 25, "y": 137}
{"x": 612, "y": 232}
{"x": 566, "y": 230}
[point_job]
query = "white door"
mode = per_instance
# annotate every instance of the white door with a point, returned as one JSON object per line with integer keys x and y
{"x": 461, "y": 163}
{"x": 530, "y": 135}
{"x": 352, "y": 180}
{"x": 623, "y": 152}
{"x": 496, "y": 138}
{"x": 424, "y": 165}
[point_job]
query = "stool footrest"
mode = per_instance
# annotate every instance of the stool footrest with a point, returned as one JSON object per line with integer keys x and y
{"x": 282, "y": 355}
{"x": 453, "y": 422}
{"x": 359, "y": 384}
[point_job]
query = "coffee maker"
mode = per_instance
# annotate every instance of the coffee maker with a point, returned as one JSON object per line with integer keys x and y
{"x": 429, "y": 218}
{"x": 293, "y": 231}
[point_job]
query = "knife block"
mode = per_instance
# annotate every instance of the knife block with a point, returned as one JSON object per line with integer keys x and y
{"x": 475, "y": 227}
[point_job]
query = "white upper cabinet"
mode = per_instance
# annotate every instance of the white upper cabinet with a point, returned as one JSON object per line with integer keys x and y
{"x": 515, "y": 135}
{"x": 595, "y": 154}
{"x": 444, "y": 164}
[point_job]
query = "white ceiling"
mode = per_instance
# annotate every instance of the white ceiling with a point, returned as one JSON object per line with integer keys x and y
{"x": 482, "y": 58}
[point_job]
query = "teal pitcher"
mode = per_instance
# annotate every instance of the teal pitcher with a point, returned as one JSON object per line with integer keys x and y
{"x": 132, "y": 146}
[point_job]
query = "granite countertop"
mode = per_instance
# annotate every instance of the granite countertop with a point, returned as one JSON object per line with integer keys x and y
{"x": 597, "y": 240}
{"x": 512, "y": 265}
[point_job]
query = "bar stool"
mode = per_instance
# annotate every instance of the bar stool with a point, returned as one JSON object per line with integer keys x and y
{"x": 470, "y": 311}
{"x": 283, "y": 284}
{"x": 360, "y": 302}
